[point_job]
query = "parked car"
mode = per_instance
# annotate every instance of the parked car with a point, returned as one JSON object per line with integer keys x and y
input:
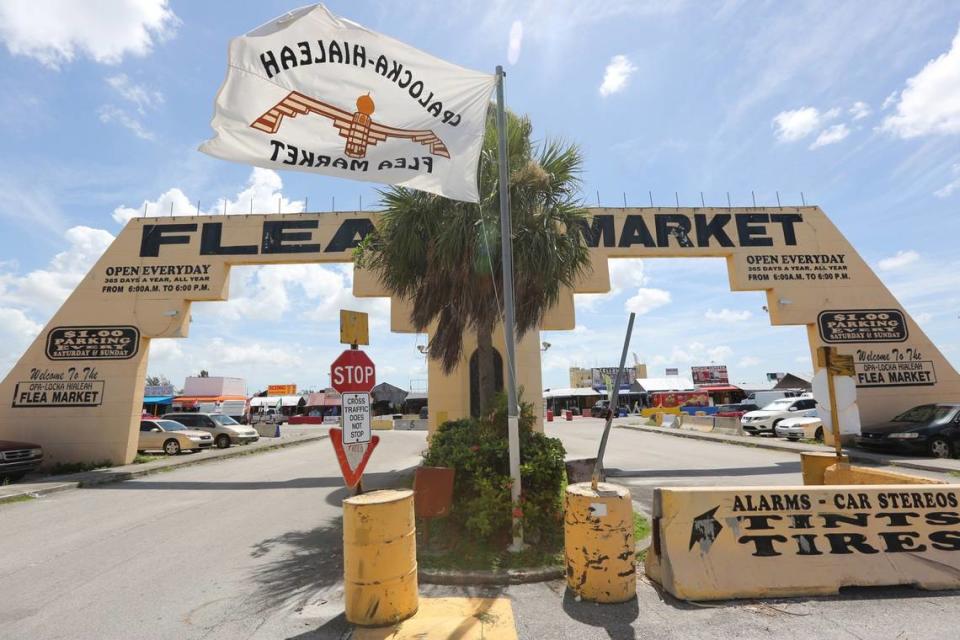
{"x": 734, "y": 410}
{"x": 171, "y": 437}
{"x": 224, "y": 429}
{"x": 766, "y": 420}
{"x": 763, "y": 398}
{"x": 933, "y": 429}
{"x": 424, "y": 413}
{"x": 599, "y": 409}
{"x": 17, "y": 459}
{"x": 808, "y": 427}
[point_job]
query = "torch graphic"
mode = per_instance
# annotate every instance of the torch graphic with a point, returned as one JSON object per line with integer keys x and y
{"x": 359, "y": 131}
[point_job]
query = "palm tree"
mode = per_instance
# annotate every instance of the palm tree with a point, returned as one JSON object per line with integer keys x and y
{"x": 444, "y": 255}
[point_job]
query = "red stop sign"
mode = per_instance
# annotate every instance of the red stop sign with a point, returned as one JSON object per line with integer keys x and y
{"x": 353, "y": 372}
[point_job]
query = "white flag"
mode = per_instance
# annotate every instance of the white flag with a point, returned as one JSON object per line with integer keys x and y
{"x": 310, "y": 91}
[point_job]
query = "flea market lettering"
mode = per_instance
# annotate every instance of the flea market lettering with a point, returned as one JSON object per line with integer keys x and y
{"x": 334, "y": 52}
{"x": 277, "y": 236}
{"x": 862, "y": 523}
{"x": 698, "y": 230}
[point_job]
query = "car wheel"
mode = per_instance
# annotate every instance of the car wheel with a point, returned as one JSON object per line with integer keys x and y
{"x": 818, "y": 436}
{"x": 171, "y": 447}
{"x": 941, "y": 448}
{"x": 791, "y": 439}
{"x": 223, "y": 441}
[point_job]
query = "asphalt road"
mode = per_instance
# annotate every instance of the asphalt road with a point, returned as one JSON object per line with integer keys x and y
{"x": 251, "y": 548}
{"x": 227, "y": 550}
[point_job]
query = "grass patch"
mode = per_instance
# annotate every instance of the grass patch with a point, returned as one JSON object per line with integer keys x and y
{"x": 147, "y": 457}
{"x": 467, "y": 555}
{"x": 63, "y": 468}
{"x": 955, "y": 474}
{"x": 641, "y": 527}
{"x": 13, "y": 499}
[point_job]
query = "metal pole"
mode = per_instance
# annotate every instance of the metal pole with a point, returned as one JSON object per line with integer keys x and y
{"x": 834, "y": 410}
{"x": 509, "y": 322}
{"x": 598, "y": 466}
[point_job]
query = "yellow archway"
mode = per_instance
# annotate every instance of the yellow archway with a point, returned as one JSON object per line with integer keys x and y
{"x": 78, "y": 389}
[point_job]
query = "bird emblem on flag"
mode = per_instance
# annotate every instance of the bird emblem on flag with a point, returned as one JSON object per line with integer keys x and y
{"x": 359, "y": 130}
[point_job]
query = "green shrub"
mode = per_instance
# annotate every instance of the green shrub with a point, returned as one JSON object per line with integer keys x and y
{"x": 478, "y": 450}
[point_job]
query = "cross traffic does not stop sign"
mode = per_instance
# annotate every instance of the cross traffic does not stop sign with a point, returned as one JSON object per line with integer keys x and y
{"x": 353, "y": 372}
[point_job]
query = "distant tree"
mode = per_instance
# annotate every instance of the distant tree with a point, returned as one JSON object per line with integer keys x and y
{"x": 204, "y": 373}
{"x": 157, "y": 381}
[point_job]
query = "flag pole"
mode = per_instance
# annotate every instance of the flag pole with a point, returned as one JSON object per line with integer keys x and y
{"x": 509, "y": 322}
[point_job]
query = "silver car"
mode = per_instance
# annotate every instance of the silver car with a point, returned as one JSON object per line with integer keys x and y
{"x": 224, "y": 429}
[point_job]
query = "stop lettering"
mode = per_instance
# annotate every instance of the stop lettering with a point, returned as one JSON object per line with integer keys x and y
{"x": 353, "y": 372}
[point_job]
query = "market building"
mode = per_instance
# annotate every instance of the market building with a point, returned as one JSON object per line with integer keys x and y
{"x": 213, "y": 394}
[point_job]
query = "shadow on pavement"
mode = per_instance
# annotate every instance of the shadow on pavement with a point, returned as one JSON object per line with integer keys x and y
{"x": 371, "y": 480}
{"x": 306, "y": 564}
{"x": 773, "y": 469}
{"x": 615, "y": 619}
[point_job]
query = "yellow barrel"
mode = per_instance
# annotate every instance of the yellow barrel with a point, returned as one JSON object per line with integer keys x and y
{"x": 380, "y": 557}
{"x": 599, "y": 549}
{"x": 814, "y": 463}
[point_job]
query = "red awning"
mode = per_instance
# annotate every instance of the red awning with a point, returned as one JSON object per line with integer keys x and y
{"x": 718, "y": 388}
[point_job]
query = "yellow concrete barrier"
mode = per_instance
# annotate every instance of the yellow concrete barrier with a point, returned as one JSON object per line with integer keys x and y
{"x": 652, "y": 411}
{"x": 379, "y": 557}
{"x": 381, "y": 424}
{"x": 814, "y": 463}
{"x": 599, "y": 549}
{"x": 847, "y": 474}
{"x": 751, "y": 542}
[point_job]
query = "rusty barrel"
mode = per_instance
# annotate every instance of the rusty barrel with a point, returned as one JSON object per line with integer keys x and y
{"x": 380, "y": 557}
{"x": 599, "y": 548}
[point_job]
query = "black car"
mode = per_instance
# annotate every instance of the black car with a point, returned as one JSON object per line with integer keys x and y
{"x": 933, "y": 429}
{"x": 17, "y": 459}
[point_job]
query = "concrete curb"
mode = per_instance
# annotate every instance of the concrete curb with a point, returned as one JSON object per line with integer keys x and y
{"x": 129, "y": 472}
{"x": 764, "y": 443}
{"x": 510, "y": 576}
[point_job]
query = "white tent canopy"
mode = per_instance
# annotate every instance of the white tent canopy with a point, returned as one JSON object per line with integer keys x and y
{"x": 273, "y": 401}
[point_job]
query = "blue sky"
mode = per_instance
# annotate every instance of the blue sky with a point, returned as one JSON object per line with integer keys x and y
{"x": 855, "y": 104}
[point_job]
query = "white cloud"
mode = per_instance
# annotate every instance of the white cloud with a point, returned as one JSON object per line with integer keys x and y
{"x": 749, "y": 361}
{"x": 859, "y": 110}
{"x": 109, "y": 113}
{"x": 516, "y": 41}
{"x": 625, "y": 273}
{"x": 890, "y": 100}
{"x": 796, "y": 124}
{"x": 263, "y": 192}
{"x": 646, "y": 300}
{"x": 140, "y": 95}
{"x": 954, "y": 185}
{"x": 830, "y": 135}
{"x": 616, "y": 75}
{"x": 901, "y": 259}
{"x": 930, "y": 102}
{"x": 44, "y": 289}
{"x": 695, "y": 352}
{"x": 727, "y": 315}
{"x": 57, "y": 31}
{"x": 923, "y": 318}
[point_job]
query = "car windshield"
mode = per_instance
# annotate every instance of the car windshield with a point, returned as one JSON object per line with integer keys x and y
{"x": 170, "y": 425}
{"x": 224, "y": 420}
{"x": 779, "y": 405}
{"x": 925, "y": 413}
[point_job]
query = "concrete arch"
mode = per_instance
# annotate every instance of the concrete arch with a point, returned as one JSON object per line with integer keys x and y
{"x": 78, "y": 388}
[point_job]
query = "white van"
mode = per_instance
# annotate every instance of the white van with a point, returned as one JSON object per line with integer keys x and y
{"x": 763, "y": 398}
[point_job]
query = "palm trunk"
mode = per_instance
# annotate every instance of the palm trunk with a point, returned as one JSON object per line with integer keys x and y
{"x": 487, "y": 381}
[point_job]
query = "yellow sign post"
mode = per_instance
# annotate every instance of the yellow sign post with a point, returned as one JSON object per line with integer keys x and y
{"x": 836, "y": 365}
{"x": 354, "y": 328}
